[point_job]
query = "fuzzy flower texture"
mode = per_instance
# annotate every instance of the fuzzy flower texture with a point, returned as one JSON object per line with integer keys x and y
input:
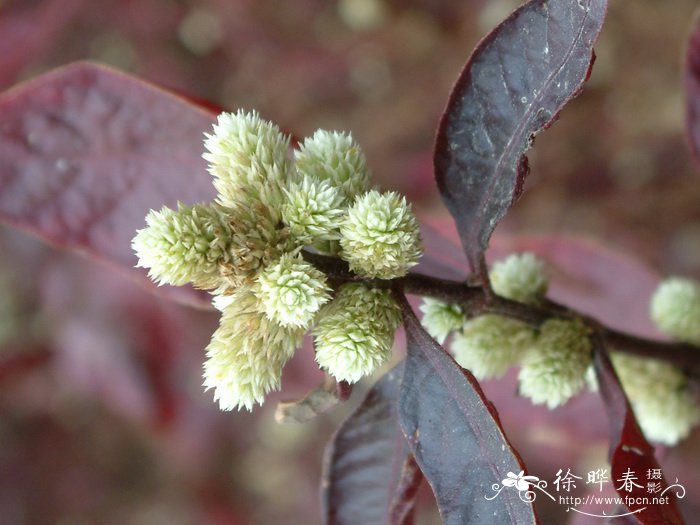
{"x": 247, "y": 248}
{"x": 556, "y": 362}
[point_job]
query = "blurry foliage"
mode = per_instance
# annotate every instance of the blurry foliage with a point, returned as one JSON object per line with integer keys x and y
{"x": 100, "y": 433}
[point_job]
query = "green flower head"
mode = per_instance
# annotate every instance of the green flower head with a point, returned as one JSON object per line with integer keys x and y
{"x": 660, "y": 396}
{"x": 554, "y": 369}
{"x": 490, "y": 344}
{"x": 336, "y": 157}
{"x": 312, "y": 210}
{"x": 355, "y": 332}
{"x": 246, "y": 353}
{"x": 292, "y": 291}
{"x": 187, "y": 245}
{"x": 675, "y": 309}
{"x": 440, "y": 318}
{"x": 249, "y": 159}
{"x": 520, "y": 277}
{"x": 380, "y": 236}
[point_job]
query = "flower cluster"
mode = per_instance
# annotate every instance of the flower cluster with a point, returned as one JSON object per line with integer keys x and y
{"x": 660, "y": 395}
{"x": 553, "y": 359}
{"x": 675, "y": 309}
{"x": 489, "y": 344}
{"x": 556, "y": 360}
{"x": 247, "y": 249}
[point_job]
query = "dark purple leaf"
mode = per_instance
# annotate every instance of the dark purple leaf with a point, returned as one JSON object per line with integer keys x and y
{"x": 455, "y": 435}
{"x": 629, "y": 449}
{"x": 366, "y": 463}
{"x": 691, "y": 80}
{"x": 513, "y": 86}
{"x": 86, "y": 152}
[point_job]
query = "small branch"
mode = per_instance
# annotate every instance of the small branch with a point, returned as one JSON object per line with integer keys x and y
{"x": 475, "y": 300}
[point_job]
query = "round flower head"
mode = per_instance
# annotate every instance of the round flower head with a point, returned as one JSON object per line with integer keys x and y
{"x": 292, "y": 291}
{"x": 312, "y": 210}
{"x": 380, "y": 236}
{"x": 246, "y": 353}
{"x": 520, "y": 277}
{"x": 660, "y": 396}
{"x": 675, "y": 309}
{"x": 439, "y": 318}
{"x": 333, "y": 156}
{"x": 184, "y": 246}
{"x": 490, "y": 344}
{"x": 554, "y": 369}
{"x": 248, "y": 157}
{"x": 355, "y": 332}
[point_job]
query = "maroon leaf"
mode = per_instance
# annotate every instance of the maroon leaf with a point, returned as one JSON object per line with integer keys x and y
{"x": 630, "y": 450}
{"x": 86, "y": 152}
{"x": 513, "y": 86}
{"x": 691, "y": 81}
{"x": 456, "y": 437}
{"x": 366, "y": 476}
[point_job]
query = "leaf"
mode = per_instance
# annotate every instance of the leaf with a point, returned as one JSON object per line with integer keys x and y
{"x": 86, "y": 152}
{"x": 455, "y": 435}
{"x": 513, "y": 86}
{"x": 365, "y": 463}
{"x": 691, "y": 82}
{"x": 629, "y": 449}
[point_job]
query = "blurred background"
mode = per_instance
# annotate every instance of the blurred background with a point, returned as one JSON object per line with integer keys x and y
{"x": 102, "y": 418}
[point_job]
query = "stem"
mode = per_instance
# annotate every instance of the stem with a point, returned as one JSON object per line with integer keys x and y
{"x": 477, "y": 300}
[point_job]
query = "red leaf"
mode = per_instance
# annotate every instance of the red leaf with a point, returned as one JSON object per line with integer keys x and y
{"x": 513, "y": 86}
{"x": 456, "y": 437}
{"x": 86, "y": 152}
{"x": 630, "y": 450}
{"x": 366, "y": 476}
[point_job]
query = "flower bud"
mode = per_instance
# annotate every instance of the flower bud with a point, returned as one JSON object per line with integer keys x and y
{"x": 248, "y": 157}
{"x": 439, "y": 319}
{"x": 380, "y": 236}
{"x": 292, "y": 291}
{"x": 554, "y": 369}
{"x": 184, "y": 246}
{"x": 355, "y": 332}
{"x": 312, "y": 210}
{"x": 520, "y": 277}
{"x": 675, "y": 309}
{"x": 246, "y": 353}
{"x": 336, "y": 157}
{"x": 665, "y": 408}
{"x": 489, "y": 344}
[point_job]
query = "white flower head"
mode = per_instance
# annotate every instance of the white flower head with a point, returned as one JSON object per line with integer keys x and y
{"x": 554, "y": 369}
{"x": 312, "y": 210}
{"x": 520, "y": 277}
{"x": 184, "y": 246}
{"x": 675, "y": 309}
{"x": 380, "y": 236}
{"x": 439, "y": 318}
{"x": 660, "y": 396}
{"x": 246, "y": 353}
{"x": 336, "y": 157}
{"x": 355, "y": 332}
{"x": 291, "y": 291}
{"x": 490, "y": 344}
{"x": 248, "y": 157}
